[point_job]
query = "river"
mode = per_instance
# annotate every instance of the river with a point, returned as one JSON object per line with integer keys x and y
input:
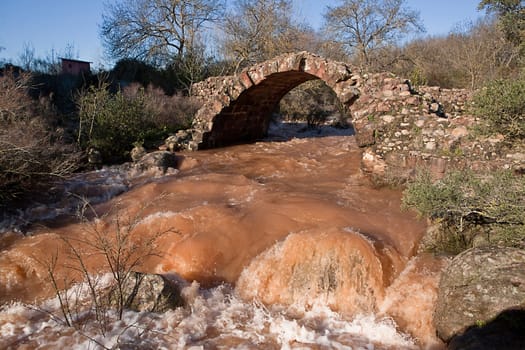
{"x": 279, "y": 244}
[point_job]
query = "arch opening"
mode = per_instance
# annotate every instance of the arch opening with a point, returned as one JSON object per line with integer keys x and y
{"x": 315, "y": 106}
{"x": 248, "y": 117}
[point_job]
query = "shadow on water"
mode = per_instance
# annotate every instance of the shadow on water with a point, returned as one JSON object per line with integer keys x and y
{"x": 506, "y": 331}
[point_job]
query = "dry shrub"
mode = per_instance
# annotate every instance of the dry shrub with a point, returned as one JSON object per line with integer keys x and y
{"x": 92, "y": 301}
{"x": 471, "y": 208}
{"x": 31, "y": 154}
{"x": 166, "y": 112}
{"x": 468, "y": 57}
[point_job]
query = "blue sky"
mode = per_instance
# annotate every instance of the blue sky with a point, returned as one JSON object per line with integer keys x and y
{"x": 50, "y": 25}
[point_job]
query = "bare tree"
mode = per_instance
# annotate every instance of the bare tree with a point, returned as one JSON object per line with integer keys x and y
{"x": 257, "y": 30}
{"x": 469, "y": 56}
{"x": 363, "y": 26}
{"x": 27, "y": 56}
{"x": 158, "y": 31}
{"x": 481, "y": 52}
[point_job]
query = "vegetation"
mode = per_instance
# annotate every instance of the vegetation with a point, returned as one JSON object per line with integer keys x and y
{"x": 113, "y": 240}
{"x": 257, "y": 30}
{"x": 113, "y": 123}
{"x": 502, "y": 105}
{"x": 156, "y": 31}
{"x": 32, "y": 153}
{"x": 165, "y": 33}
{"x": 471, "y": 207}
{"x": 511, "y": 14}
{"x": 365, "y": 26}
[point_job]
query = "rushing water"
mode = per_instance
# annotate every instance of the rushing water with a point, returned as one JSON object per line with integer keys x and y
{"x": 282, "y": 244}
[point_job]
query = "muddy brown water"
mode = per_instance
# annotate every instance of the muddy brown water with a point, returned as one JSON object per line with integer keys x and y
{"x": 281, "y": 222}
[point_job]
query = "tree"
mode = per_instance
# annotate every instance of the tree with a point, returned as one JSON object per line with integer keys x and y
{"x": 480, "y": 52}
{"x": 257, "y": 30}
{"x": 27, "y": 56}
{"x": 511, "y": 15}
{"x": 156, "y": 31}
{"x": 363, "y": 26}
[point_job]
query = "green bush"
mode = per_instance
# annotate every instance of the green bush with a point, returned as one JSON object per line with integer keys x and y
{"x": 502, "y": 104}
{"x": 471, "y": 207}
{"x": 113, "y": 123}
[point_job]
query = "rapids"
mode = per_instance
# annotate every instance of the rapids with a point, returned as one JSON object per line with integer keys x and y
{"x": 282, "y": 243}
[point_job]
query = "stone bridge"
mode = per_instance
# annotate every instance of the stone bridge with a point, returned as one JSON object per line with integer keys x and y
{"x": 239, "y": 108}
{"x": 401, "y": 127}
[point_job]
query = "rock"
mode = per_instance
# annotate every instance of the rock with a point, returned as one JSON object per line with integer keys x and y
{"x": 372, "y": 164}
{"x": 520, "y": 157}
{"x": 365, "y": 136}
{"x": 137, "y": 153}
{"x": 507, "y": 331}
{"x": 430, "y": 146}
{"x": 148, "y": 293}
{"x": 160, "y": 159}
{"x": 459, "y": 132}
{"x": 388, "y": 118}
{"x": 419, "y": 123}
{"x": 179, "y": 141}
{"x": 477, "y": 286}
{"x": 94, "y": 156}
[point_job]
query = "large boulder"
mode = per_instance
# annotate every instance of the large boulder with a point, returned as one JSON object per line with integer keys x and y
{"x": 477, "y": 288}
{"x": 507, "y": 331}
{"x": 147, "y": 293}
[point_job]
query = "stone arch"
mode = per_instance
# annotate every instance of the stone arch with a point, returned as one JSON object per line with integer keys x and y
{"x": 239, "y": 108}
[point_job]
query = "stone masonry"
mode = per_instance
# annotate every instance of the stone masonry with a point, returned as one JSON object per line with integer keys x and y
{"x": 239, "y": 108}
{"x": 399, "y": 126}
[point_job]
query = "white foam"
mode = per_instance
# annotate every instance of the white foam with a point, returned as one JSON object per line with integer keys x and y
{"x": 214, "y": 318}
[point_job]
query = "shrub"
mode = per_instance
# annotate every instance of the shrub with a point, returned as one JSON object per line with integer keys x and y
{"x": 116, "y": 242}
{"x": 113, "y": 123}
{"x": 168, "y": 113}
{"x": 502, "y": 104}
{"x": 468, "y": 204}
{"x": 31, "y": 154}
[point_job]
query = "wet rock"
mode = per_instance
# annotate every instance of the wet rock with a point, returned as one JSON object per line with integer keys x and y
{"x": 148, "y": 293}
{"x": 94, "y": 157}
{"x": 137, "y": 153}
{"x": 159, "y": 159}
{"x": 477, "y": 286}
{"x": 372, "y": 164}
{"x": 179, "y": 141}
